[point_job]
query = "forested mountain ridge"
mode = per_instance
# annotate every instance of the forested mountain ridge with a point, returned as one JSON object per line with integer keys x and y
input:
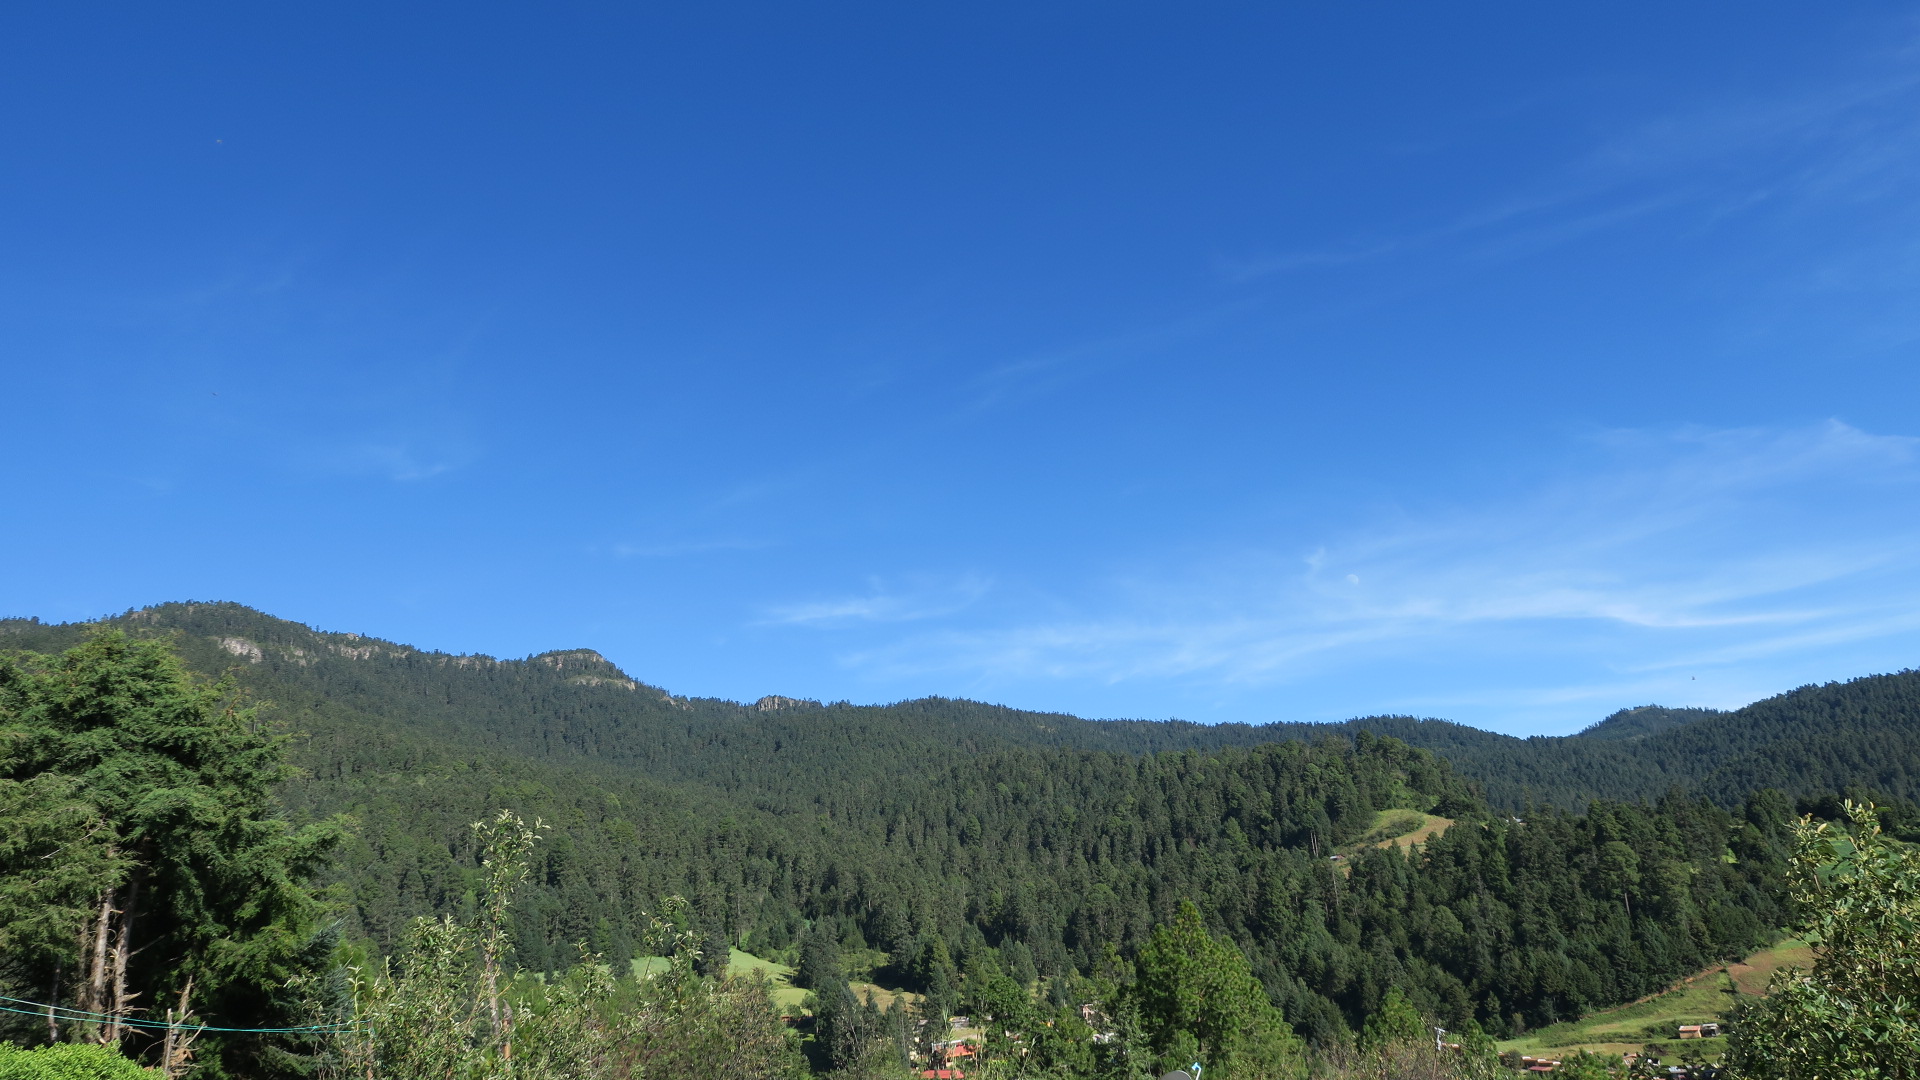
{"x": 573, "y": 706}
{"x": 924, "y": 835}
{"x": 1863, "y": 735}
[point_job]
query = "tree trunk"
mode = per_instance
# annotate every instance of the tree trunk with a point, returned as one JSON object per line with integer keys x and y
{"x": 506, "y": 1035}
{"x": 490, "y": 982}
{"x": 53, "y": 1026}
{"x": 93, "y": 990}
{"x": 176, "y": 1052}
{"x": 120, "y": 1005}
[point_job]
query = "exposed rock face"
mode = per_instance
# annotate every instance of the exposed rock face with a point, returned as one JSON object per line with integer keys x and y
{"x": 255, "y": 638}
{"x": 774, "y": 702}
{"x": 575, "y": 660}
{"x": 254, "y": 652}
{"x": 243, "y": 648}
{"x": 598, "y": 680}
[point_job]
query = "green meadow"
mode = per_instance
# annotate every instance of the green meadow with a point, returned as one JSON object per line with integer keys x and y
{"x": 788, "y": 997}
{"x": 1705, "y": 997}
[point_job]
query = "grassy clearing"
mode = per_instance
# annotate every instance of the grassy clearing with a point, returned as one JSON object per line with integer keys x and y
{"x": 787, "y": 996}
{"x": 745, "y": 963}
{"x": 738, "y": 963}
{"x": 1401, "y": 829}
{"x": 882, "y": 996}
{"x": 1704, "y": 997}
{"x": 1750, "y": 975}
{"x": 1429, "y": 827}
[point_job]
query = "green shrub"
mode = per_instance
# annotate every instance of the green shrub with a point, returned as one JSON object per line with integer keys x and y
{"x": 69, "y": 1061}
{"x": 1856, "y": 1015}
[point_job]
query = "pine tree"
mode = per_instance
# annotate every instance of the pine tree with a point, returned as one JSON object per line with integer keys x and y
{"x": 1196, "y": 997}
{"x": 166, "y": 783}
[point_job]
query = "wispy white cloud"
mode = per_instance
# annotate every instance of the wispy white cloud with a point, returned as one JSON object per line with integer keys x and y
{"x": 1853, "y": 139}
{"x": 881, "y": 602}
{"x": 676, "y": 549}
{"x": 399, "y": 460}
{"x": 1693, "y": 547}
{"x": 1039, "y": 373}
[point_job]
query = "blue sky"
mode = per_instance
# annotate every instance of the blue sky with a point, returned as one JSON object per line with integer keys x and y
{"x": 1511, "y": 363}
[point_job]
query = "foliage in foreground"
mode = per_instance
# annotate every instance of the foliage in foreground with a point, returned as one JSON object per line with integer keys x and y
{"x": 449, "y": 1011}
{"x": 1856, "y": 1015}
{"x": 69, "y": 1061}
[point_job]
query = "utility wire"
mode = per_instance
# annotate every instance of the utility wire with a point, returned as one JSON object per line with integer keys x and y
{"x": 81, "y": 1016}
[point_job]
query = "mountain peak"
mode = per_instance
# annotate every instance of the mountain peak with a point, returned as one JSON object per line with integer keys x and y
{"x": 585, "y": 667}
{"x": 1644, "y": 720}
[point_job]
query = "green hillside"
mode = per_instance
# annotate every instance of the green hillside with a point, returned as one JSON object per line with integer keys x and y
{"x": 1862, "y": 735}
{"x": 935, "y": 834}
{"x": 1711, "y": 995}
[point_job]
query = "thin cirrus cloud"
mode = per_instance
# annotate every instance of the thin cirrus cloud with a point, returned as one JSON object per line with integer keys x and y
{"x": 1694, "y": 547}
{"x": 1852, "y": 141}
{"x": 401, "y": 461}
{"x": 672, "y": 550}
{"x": 884, "y": 604}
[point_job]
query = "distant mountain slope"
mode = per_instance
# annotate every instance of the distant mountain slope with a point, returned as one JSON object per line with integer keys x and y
{"x": 1043, "y": 836}
{"x": 576, "y": 708}
{"x": 1863, "y": 734}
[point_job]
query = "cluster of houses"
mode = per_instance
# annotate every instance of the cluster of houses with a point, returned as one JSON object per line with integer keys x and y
{"x": 946, "y": 1059}
{"x": 947, "y": 1056}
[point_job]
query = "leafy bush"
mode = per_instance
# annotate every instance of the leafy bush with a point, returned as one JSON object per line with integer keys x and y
{"x": 69, "y": 1061}
{"x": 1856, "y": 1015}
{"x": 450, "y": 1010}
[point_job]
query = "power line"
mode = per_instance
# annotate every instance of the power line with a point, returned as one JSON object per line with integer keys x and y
{"x": 61, "y": 1012}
